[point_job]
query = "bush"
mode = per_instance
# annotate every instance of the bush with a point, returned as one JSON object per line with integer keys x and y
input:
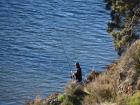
{"x": 134, "y": 53}
{"x": 67, "y": 101}
{"x": 71, "y": 100}
{"x": 61, "y": 97}
{"x": 37, "y": 101}
{"x": 121, "y": 100}
{"x": 102, "y": 88}
{"x": 90, "y": 100}
{"x": 135, "y": 99}
{"x": 74, "y": 88}
{"x": 73, "y": 94}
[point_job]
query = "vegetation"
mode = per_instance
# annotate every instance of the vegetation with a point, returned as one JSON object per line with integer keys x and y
{"x": 135, "y": 54}
{"x": 61, "y": 97}
{"x": 122, "y": 28}
{"x": 134, "y": 100}
{"x": 102, "y": 88}
{"x": 73, "y": 94}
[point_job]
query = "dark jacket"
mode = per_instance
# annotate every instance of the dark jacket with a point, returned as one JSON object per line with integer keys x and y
{"x": 78, "y": 75}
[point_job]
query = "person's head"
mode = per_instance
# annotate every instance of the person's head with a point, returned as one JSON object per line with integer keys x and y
{"x": 77, "y": 65}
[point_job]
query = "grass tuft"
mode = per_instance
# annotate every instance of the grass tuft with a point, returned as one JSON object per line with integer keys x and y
{"x": 102, "y": 88}
{"x": 135, "y": 99}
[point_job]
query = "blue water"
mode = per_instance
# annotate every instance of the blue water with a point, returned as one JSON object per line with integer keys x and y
{"x": 40, "y": 41}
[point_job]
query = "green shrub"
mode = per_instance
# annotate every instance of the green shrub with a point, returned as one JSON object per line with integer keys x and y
{"x": 71, "y": 100}
{"x": 61, "y": 97}
{"x": 67, "y": 101}
{"x": 135, "y": 99}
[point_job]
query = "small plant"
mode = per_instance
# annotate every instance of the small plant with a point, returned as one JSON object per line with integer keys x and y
{"x": 118, "y": 44}
{"x": 37, "y": 101}
{"x": 71, "y": 100}
{"x": 67, "y": 101}
{"x": 134, "y": 100}
{"x": 90, "y": 100}
{"x": 61, "y": 97}
{"x": 73, "y": 89}
{"x": 121, "y": 100}
{"x": 134, "y": 52}
{"x": 73, "y": 94}
{"x": 102, "y": 88}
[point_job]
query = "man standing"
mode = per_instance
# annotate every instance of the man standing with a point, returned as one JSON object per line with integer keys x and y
{"x": 78, "y": 73}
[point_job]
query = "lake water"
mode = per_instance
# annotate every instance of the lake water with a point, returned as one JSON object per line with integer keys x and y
{"x": 40, "y": 41}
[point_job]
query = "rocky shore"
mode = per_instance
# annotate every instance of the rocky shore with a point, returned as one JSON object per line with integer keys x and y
{"x": 119, "y": 84}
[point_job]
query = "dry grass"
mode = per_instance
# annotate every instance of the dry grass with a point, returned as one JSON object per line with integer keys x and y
{"x": 73, "y": 88}
{"x": 102, "y": 88}
{"x": 74, "y": 94}
{"x": 135, "y": 54}
{"x": 37, "y": 101}
{"x": 50, "y": 100}
{"x": 90, "y": 100}
{"x": 121, "y": 100}
{"x": 132, "y": 56}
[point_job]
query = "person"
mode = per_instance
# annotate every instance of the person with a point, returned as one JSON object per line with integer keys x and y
{"x": 78, "y": 73}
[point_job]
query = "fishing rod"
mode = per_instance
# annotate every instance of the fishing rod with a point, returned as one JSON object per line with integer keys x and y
{"x": 67, "y": 58}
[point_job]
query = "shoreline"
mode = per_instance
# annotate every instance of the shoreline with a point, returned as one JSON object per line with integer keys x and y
{"x": 119, "y": 84}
